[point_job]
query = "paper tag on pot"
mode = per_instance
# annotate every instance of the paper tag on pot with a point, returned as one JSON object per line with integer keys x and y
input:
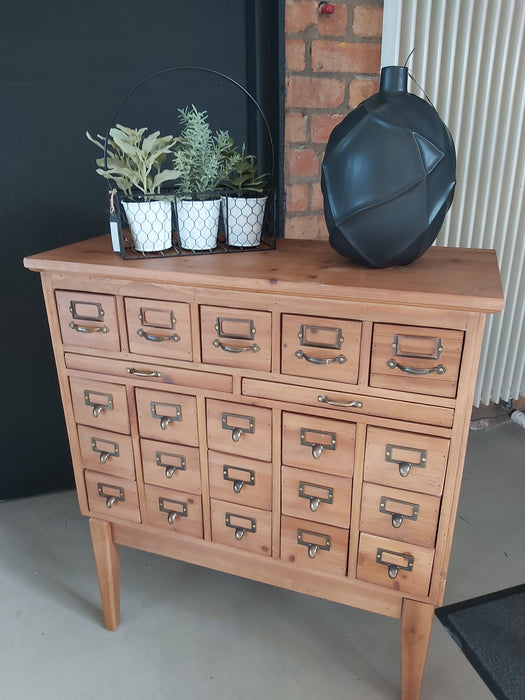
{"x": 113, "y": 229}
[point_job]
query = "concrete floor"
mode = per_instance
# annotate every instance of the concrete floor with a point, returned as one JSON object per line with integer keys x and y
{"x": 194, "y": 634}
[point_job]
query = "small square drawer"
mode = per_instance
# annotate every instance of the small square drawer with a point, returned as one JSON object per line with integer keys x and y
{"x": 320, "y": 348}
{"x": 107, "y": 452}
{"x": 314, "y": 546}
{"x": 248, "y": 529}
{"x": 400, "y": 515}
{"x": 175, "y": 511}
{"x": 404, "y": 567}
{"x": 406, "y": 460}
{"x": 239, "y": 429}
{"x": 414, "y": 359}
{"x": 315, "y": 496}
{"x": 100, "y": 404}
{"x": 318, "y": 443}
{"x": 171, "y": 466}
{"x": 160, "y": 328}
{"x": 112, "y": 496}
{"x": 240, "y": 480}
{"x": 166, "y": 416}
{"x": 88, "y": 320}
{"x": 236, "y": 337}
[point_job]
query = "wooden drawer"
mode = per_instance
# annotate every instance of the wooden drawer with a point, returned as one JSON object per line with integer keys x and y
{"x": 112, "y": 497}
{"x": 171, "y": 466}
{"x": 320, "y": 348}
{"x": 249, "y": 529}
{"x": 100, "y": 404}
{"x": 400, "y": 515}
{"x": 240, "y": 480}
{"x": 317, "y": 547}
{"x": 159, "y": 328}
{"x": 315, "y": 496}
{"x": 175, "y": 511}
{"x": 404, "y": 567}
{"x": 236, "y": 337}
{"x": 88, "y": 320}
{"x": 414, "y": 359}
{"x": 239, "y": 429}
{"x": 166, "y": 416}
{"x": 107, "y": 452}
{"x": 318, "y": 443}
{"x": 406, "y": 460}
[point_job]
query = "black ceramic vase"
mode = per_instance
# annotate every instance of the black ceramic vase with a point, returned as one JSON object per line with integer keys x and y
{"x": 388, "y": 176}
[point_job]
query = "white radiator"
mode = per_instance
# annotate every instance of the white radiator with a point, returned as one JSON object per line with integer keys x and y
{"x": 469, "y": 59}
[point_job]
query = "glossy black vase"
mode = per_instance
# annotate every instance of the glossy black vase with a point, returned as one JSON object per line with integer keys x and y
{"x": 388, "y": 176}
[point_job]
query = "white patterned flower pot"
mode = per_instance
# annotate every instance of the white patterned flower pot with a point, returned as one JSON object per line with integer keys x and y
{"x": 245, "y": 220}
{"x": 150, "y": 224}
{"x": 198, "y": 223}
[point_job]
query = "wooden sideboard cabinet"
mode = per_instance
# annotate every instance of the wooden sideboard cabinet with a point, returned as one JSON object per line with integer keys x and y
{"x": 286, "y": 416}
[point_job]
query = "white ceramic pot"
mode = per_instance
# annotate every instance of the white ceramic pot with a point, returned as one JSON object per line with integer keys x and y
{"x": 245, "y": 216}
{"x": 198, "y": 223}
{"x": 150, "y": 224}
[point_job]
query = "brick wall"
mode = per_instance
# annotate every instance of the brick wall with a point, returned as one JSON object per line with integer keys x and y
{"x": 332, "y": 64}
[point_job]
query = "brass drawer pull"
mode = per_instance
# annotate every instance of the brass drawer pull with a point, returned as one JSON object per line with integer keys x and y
{"x": 315, "y": 500}
{"x": 438, "y": 369}
{"x": 170, "y": 469}
{"x": 317, "y": 451}
{"x": 238, "y": 483}
{"x": 166, "y": 418}
{"x": 231, "y": 520}
{"x": 397, "y": 517}
{"x": 88, "y": 329}
{"x": 404, "y": 465}
{"x": 394, "y": 569}
{"x": 98, "y": 408}
{"x": 166, "y": 506}
{"x": 111, "y": 499}
{"x": 158, "y": 338}
{"x": 342, "y": 404}
{"x": 103, "y": 452}
{"x": 237, "y": 431}
{"x": 230, "y": 348}
{"x": 143, "y": 373}
{"x": 318, "y": 447}
{"x": 313, "y": 547}
{"x": 320, "y": 360}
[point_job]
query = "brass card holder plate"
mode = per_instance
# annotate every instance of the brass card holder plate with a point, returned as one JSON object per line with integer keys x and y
{"x": 404, "y": 465}
{"x": 111, "y": 498}
{"x": 104, "y": 448}
{"x": 394, "y": 569}
{"x": 90, "y": 399}
{"x": 241, "y": 524}
{"x": 170, "y": 469}
{"x": 318, "y": 446}
{"x": 434, "y": 355}
{"x": 238, "y": 483}
{"x": 397, "y": 517}
{"x": 314, "y": 498}
{"x": 179, "y": 511}
{"x": 307, "y": 331}
{"x": 304, "y": 538}
{"x": 238, "y": 430}
{"x": 77, "y": 315}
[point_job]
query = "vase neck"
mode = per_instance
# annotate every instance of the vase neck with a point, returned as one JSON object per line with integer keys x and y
{"x": 394, "y": 79}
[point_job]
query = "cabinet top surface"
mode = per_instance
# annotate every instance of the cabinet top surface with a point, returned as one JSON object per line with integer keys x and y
{"x": 455, "y": 278}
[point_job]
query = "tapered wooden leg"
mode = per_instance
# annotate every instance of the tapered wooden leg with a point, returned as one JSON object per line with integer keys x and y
{"x": 108, "y": 570}
{"x": 416, "y": 625}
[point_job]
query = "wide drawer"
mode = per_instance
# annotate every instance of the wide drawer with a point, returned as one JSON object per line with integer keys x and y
{"x": 166, "y": 416}
{"x": 88, "y": 320}
{"x": 107, "y": 452}
{"x": 159, "y": 328}
{"x": 171, "y": 466}
{"x": 175, "y": 511}
{"x": 240, "y": 480}
{"x": 400, "y": 515}
{"x": 403, "y": 567}
{"x": 318, "y": 443}
{"x": 112, "y": 497}
{"x": 100, "y": 404}
{"x": 239, "y": 429}
{"x": 316, "y": 547}
{"x": 239, "y": 526}
{"x": 414, "y": 359}
{"x": 236, "y": 337}
{"x": 320, "y": 348}
{"x": 316, "y": 496}
{"x": 406, "y": 460}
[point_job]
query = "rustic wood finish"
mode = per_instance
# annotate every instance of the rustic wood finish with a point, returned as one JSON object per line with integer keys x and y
{"x": 312, "y": 412}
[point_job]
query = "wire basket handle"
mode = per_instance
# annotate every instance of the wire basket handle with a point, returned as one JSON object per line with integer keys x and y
{"x": 196, "y": 68}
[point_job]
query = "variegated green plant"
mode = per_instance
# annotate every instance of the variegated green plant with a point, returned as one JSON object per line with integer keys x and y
{"x": 134, "y": 160}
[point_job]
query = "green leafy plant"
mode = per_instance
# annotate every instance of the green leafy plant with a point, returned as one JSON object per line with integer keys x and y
{"x": 202, "y": 159}
{"x": 243, "y": 178}
{"x": 134, "y": 160}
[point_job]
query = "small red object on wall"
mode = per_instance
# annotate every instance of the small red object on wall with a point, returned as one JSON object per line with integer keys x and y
{"x": 326, "y": 8}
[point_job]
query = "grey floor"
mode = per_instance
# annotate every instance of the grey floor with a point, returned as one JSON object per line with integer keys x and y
{"x": 192, "y": 634}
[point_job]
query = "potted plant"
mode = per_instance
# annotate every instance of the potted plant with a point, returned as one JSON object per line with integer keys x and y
{"x": 202, "y": 160}
{"x": 246, "y": 204}
{"x": 134, "y": 162}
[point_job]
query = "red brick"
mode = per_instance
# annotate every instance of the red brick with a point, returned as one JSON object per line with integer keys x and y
{"x": 295, "y": 127}
{"x": 295, "y": 55}
{"x": 360, "y": 90}
{"x": 322, "y": 125}
{"x": 336, "y": 24}
{"x": 345, "y": 57}
{"x": 297, "y": 197}
{"x": 368, "y": 21}
{"x": 301, "y": 162}
{"x": 300, "y": 14}
{"x": 305, "y": 91}
{"x": 316, "y": 197}
{"x": 311, "y": 227}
